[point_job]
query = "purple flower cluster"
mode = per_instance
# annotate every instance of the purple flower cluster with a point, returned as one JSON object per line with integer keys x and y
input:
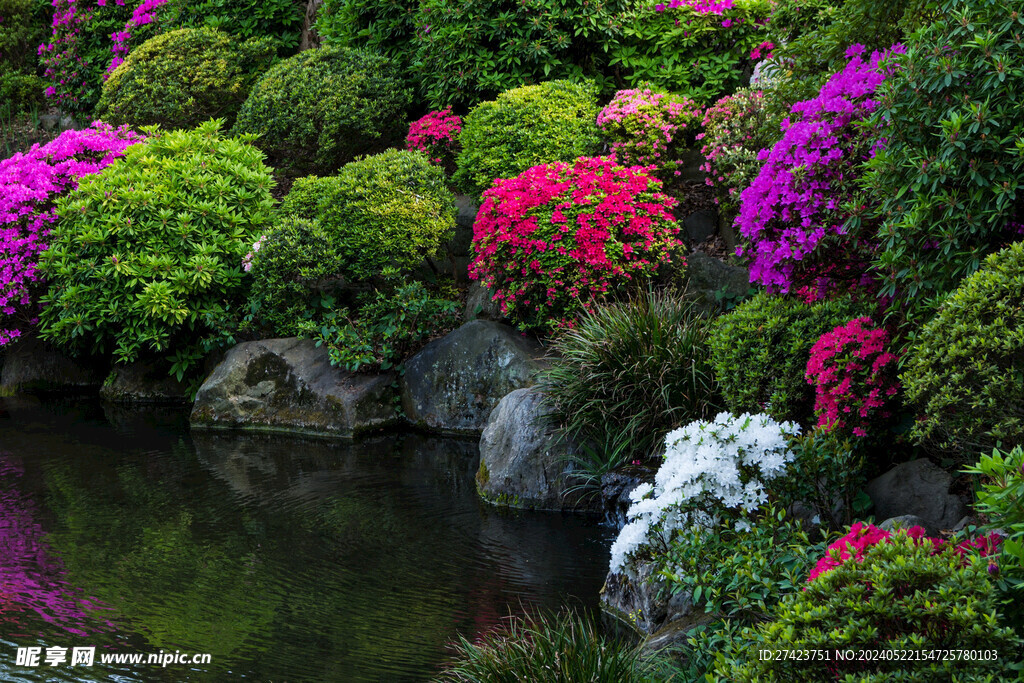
{"x": 144, "y": 14}
{"x": 796, "y": 201}
{"x": 29, "y": 186}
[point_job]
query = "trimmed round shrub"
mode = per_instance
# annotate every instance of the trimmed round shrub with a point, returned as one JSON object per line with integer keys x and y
{"x": 322, "y": 108}
{"x": 535, "y": 124}
{"x": 145, "y": 254}
{"x": 900, "y": 596}
{"x": 182, "y": 78}
{"x": 629, "y": 373}
{"x": 760, "y": 350}
{"x": 965, "y": 370}
{"x": 555, "y": 239}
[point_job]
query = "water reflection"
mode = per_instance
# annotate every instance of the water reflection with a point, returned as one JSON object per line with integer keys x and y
{"x": 284, "y": 559}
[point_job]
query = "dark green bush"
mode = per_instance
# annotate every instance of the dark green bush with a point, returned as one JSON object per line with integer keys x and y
{"x": 182, "y": 78}
{"x": 20, "y": 92}
{"x": 901, "y": 597}
{"x": 965, "y": 370}
{"x": 949, "y": 182}
{"x": 827, "y": 475}
{"x": 386, "y": 27}
{"x": 279, "y": 21}
{"x": 525, "y": 127}
{"x": 323, "y": 107}
{"x": 759, "y": 352}
{"x": 145, "y": 253}
{"x": 629, "y": 373}
{"x": 24, "y": 24}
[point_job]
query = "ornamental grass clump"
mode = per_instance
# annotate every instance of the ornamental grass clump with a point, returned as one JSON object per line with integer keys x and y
{"x": 145, "y": 254}
{"x": 30, "y": 185}
{"x": 556, "y": 239}
{"x": 648, "y": 127}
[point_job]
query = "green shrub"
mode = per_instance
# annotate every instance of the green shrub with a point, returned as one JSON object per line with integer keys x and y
{"x": 629, "y": 373}
{"x": 545, "y": 649}
{"x": 20, "y": 92}
{"x": 182, "y": 78}
{"x": 386, "y": 27}
{"x": 827, "y": 475}
{"x": 965, "y": 370}
{"x": 279, "y": 21}
{"x": 323, "y": 107}
{"x": 23, "y": 25}
{"x": 901, "y": 597}
{"x": 525, "y": 127}
{"x": 948, "y": 182}
{"x": 143, "y": 254}
{"x": 759, "y": 352}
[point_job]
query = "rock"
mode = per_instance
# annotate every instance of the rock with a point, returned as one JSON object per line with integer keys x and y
{"x": 615, "y": 489}
{"x": 692, "y": 161}
{"x": 33, "y": 366}
{"x": 711, "y": 281}
{"x": 907, "y": 521}
{"x": 290, "y": 385}
{"x": 522, "y": 464}
{"x": 480, "y": 305}
{"x": 467, "y": 209}
{"x": 644, "y": 601}
{"x": 917, "y": 488}
{"x": 675, "y": 632}
{"x": 452, "y": 385}
{"x": 141, "y": 383}
{"x": 48, "y": 121}
{"x": 700, "y": 225}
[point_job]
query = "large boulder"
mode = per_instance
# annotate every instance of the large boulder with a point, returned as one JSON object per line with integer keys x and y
{"x": 290, "y": 385}
{"x": 522, "y": 462}
{"x": 33, "y": 366}
{"x": 141, "y": 383}
{"x": 452, "y": 385}
{"x": 918, "y": 488}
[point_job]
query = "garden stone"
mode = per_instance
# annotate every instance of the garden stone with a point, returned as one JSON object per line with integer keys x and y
{"x": 707, "y": 277}
{"x": 700, "y": 225}
{"x": 467, "y": 209}
{"x": 453, "y": 383}
{"x": 33, "y": 366}
{"x": 141, "y": 383}
{"x": 289, "y": 385}
{"x": 907, "y": 521}
{"x": 644, "y": 600}
{"x": 917, "y": 488}
{"x": 480, "y": 305}
{"x": 615, "y": 489}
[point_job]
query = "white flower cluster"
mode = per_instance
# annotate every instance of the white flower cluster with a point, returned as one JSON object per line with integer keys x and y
{"x": 710, "y": 468}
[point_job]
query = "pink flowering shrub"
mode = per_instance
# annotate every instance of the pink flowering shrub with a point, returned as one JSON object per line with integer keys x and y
{"x": 649, "y": 128}
{"x": 854, "y": 377}
{"x": 64, "y": 66}
{"x": 698, "y": 6}
{"x": 144, "y": 14}
{"x": 862, "y": 536}
{"x": 30, "y": 184}
{"x": 794, "y": 211}
{"x": 555, "y": 238}
{"x": 437, "y": 136}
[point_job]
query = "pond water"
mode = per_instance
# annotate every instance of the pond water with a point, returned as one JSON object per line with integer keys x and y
{"x": 283, "y": 559}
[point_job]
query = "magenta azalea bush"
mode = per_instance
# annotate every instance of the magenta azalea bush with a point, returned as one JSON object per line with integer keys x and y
{"x": 556, "y": 237}
{"x": 64, "y": 66}
{"x": 647, "y": 127}
{"x": 437, "y": 136}
{"x": 30, "y": 184}
{"x": 144, "y": 14}
{"x": 794, "y": 211}
{"x": 854, "y": 377}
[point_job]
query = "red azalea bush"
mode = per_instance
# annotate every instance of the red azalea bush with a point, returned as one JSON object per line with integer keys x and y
{"x": 556, "y": 237}
{"x": 437, "y": 136}
{"x": 854, "y": 377}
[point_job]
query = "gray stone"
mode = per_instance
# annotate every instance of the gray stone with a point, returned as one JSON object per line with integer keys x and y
{"x": 141, "y": 383}
{"x": 644, "y": 600}
{"x": 676, "y": 632}
{"x": 700, "y": 225}
{"x": 467, "y": 209}
{"x": 33, "y": 366}
{"x": 522, "y": 462}
{"x": 917, "y": 488}
{"x": 453, "y": 383}
{"x": 692, "y": 161}
{"x": 289, "y": 385}
{"x": 711, "y": 281}
{"x": 480, "y": 305}
{"x": 907, "y": 521}
{"x": 615, "y": 489}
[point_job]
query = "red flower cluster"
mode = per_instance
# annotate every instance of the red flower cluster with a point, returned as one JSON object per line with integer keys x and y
{"x": 863, "y": 536}
{"x": 554, "y": 238}
{"x": 854, "y": 376}
{"x": 437, "y": 136}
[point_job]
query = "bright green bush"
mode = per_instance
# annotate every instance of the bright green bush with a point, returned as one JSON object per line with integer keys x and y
{"x": 323, "y": 107}
{"x": 182, "y": 78}
{"x": 525, "y": 127}
{"x": 900, "y": 597}
{"x": 145, "y": 253}
{"x": 965, "y": 370}
{"x": 760, "y": 349}
{"x": 948, "y": 183}
{"x": 627, "y": 374}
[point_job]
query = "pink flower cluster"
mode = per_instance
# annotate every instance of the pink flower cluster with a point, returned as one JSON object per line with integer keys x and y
{"x": 862, "y": 536}
{"x": 555, "y": 238}
{"x": 248, "y": 258}
{"x": 766, "y": 47}
{"x": 646, "y": 128}
{"x": 699, "y": 6}
{"x": 29, "y": 186}
{"x": 65, "y": 68}
{"x": 796, "y": 202}
{"x": 437, "y": 136}
{"x": 144, "y": 14}
{"x": 731, "y": 126}
{"x": 854, "y": 376}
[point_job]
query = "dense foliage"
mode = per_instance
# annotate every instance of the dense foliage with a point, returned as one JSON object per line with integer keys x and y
{"x": 143, "y": 255}
{"x": 386, "y": 27}
{"x": 965, "y": 371}
{"x": 525, "y": 127}
{"x": 322, "y": 108}
{"x": 23, "y": 25}
{"x": 556, "y": 238}
{"x": 278, "y": 21}
{"x": 182, "y": 78}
